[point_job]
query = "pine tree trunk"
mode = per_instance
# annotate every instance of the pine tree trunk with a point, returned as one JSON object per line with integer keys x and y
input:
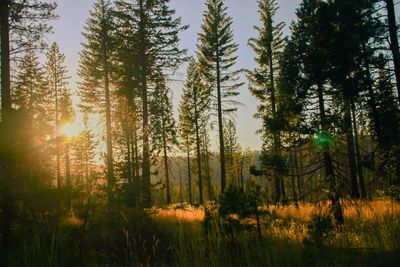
{"x": 278, "y": 182}
{"x": 220, "y": 125}
{"x": 135, "y": 150}
{"x": 372, "y": 99}
{"x": 189, "y": 171}
{"x": 128, "y": 139}
{"x": 334, "y": 195}
{"x": 110, "y": 163}
{"x": 146, "y": 183}
{"x": 198, "y": 151}
{"x": 58, "y": 145}
{"x": 5, "y": 152}
{"x": 351, "y": 155}
{"x": 68, "y": 175}
{"x": 210, "y": 190}
{"x": 394, "y": 42}
{"x": 292, "y": 179}
{"x": 166, "y": 167}
{"x": 298, "y": 174}
{"x": 358, "y": 153}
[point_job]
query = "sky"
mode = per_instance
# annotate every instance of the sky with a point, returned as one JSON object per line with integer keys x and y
{"x": 74, "y": 13}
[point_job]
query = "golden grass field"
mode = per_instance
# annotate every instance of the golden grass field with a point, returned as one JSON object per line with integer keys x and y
{"x": 304, "y": 212}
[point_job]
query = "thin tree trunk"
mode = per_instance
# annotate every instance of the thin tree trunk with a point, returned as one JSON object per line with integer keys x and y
{"x": 241, "y": 174}
{"x": 189, "y": 171}
{"x": 68, "y": 175}
{"x": 110, "y": 163}
{"x": 360, "y": 172}
{"x": 210, "y": 190}
{"x": 372, "y": 98}
{"x": 146, "y": 183}
{"x": 198, "y": 151}
{"x": 220, "y": 125}
{"x": 292, "y": 178}
{"x": 128, "y": 135}
{"x": 351, "y": 155}
{"x": 5, "y": 152}
{"x": 394, "y": 42}
{"x": 278, "y": 181}
{"x": 298, "y": 175}
{"x": 166, "y": 167}
{"x": 334, "y": 196}
{"x": 58, "y": 163}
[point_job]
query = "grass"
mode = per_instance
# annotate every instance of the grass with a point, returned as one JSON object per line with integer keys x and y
{"x": 178, "y": 236}
{"x": 370, "y": 237}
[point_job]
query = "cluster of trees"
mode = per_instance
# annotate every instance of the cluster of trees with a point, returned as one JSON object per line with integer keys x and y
{"x": 130, "y": 52}
{"x": 329, "y": 100}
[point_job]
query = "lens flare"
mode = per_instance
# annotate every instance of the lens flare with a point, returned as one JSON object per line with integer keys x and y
{"x": 71, "y": 130}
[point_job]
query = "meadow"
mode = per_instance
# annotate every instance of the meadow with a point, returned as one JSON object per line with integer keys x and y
{"x": 291, "y": 236}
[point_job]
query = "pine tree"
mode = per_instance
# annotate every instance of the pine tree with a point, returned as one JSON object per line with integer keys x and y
{"x": 57, "y": 80}
{"x": 232, "y": 152}
{"x": 16, "y": 32}
{"x": 194, "y": 104}
{"x": 155, "y": 48}
{"x": 186, "y": 137}
{"x": 394, "y": 41}
{"x": 216, "y": 58}
{"x": 163, "y": 128}
{"x": 30, "y": 99}
{"x": 303, "y": 76}
{"x": 268, "y": 48}
{"x": 83, "y": 156}
{"x": 96, "y": 69}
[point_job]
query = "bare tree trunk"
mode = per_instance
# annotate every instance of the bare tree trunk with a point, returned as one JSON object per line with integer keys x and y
{"x": 210, "y": 190}
{"x": 166, "y": 167}
{"x": 358, "y": 153}
{"x": 198, "y": 151}
{"x": 298, "y": 175}
{"x": 394, "y": 42}
{"x": 220, "y": 125}
{"x": 109, "y": 156}
{"x": 334, "y": 195}
{"x": 68, "y": 181}
{"x": 351, "y": 155}
{"x": 129, "y": 153}
{"x": 146, "y": 182}
{"x": 189, "y": 170}
{"x": 5, "y": 152}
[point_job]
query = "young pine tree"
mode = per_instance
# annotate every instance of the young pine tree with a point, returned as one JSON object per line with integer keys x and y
{"x": 163, "y": 128}
{"x": 268, "y": 48}
{"x": 96, "y": 60}
{"x": 155, "y": 48}
{"x": 30, "y": 99}
{"x": 57, "y": 80}
{"x": 194, "y": 104}
{"x": 216, "y": 57}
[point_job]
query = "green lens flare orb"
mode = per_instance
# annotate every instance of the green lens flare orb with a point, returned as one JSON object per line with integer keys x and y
{"x": 322, "y": 139}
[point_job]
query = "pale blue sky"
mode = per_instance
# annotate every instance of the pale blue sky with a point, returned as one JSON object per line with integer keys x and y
{"x": 73, "y": 14}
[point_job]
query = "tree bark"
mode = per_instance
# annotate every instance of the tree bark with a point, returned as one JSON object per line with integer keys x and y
{"x": 198, "y": 151}
{"x": 360, "y": 172}
{"x": 394, "y": 42}
{"x": 146, "y": 182}
{"x": 220, "y": 125}
{"x": 5, "y": 152}
{"x": 351, "y": 155}
{"x": 189, "y": 171}
{"x": 334, "y": 195}
{"x": 166, "y": 167}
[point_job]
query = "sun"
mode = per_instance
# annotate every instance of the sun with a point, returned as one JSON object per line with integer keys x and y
{"x": 71, "y": 129}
